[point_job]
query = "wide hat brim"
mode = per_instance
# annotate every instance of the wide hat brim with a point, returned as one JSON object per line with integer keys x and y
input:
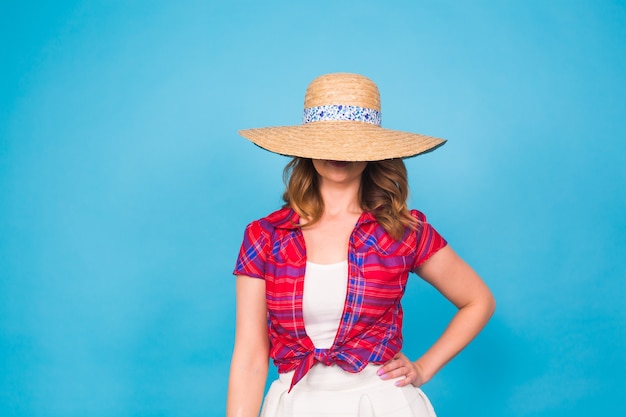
{"x": 341, "y": 141}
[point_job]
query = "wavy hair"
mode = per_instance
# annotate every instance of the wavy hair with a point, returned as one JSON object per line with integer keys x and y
{"x": 384, "y": 191}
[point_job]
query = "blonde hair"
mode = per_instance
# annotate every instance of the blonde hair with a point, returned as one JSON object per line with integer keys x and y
{"x": 384, "y": 192}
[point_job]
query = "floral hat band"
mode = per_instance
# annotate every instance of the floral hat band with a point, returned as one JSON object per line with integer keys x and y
{"x": 341, "y": 122}
{"x": 341, "y": 112}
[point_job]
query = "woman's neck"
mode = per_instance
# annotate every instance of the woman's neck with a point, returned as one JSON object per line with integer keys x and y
{"x": 340, "y": 199}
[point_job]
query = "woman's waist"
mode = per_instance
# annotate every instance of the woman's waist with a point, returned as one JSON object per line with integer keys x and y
{"x": 288, "y": 352}
{"x": 332, "y": 377}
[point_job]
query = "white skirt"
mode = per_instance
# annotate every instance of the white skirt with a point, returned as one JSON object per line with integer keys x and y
{"x": 331, "y": 391}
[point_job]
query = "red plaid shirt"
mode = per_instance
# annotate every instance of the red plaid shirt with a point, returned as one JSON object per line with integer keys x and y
{"x": 370, "y": 330}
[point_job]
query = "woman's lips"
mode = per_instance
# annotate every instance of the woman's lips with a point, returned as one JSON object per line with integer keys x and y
{"x": 339, "y": 164}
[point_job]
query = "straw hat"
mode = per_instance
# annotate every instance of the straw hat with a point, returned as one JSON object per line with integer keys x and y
{"x": 341, "y": 122}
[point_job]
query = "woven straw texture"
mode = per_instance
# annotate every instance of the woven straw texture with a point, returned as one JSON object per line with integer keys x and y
{"x": 342, "y": 140}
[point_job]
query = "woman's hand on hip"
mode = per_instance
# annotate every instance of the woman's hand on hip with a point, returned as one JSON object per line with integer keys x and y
{"x": 401, "y": 366}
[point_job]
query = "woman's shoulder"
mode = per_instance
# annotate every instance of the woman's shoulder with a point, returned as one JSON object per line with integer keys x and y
{"x": 418, "y": 215}
{"x": 283, "y": 218}
{"x": 424, "y": 229}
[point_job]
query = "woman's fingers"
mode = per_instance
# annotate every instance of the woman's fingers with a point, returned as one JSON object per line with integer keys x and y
{"x": 401, "y": 366}
{"x": 395, "y": 367}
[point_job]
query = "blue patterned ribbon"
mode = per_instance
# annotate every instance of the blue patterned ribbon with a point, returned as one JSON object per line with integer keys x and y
{"x": 341, "y": 112}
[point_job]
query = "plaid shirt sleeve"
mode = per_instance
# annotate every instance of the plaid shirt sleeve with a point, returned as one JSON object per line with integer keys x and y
{"x": 428, "y": 241}
{"x": 253, "y": 251}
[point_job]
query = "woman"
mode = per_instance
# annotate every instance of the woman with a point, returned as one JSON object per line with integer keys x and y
{"x": 319, "y": 282}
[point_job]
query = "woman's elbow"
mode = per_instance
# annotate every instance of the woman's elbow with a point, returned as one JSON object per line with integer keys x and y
{"x": 490, "y": 304}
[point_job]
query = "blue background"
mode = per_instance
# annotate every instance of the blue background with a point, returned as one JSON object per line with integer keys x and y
{"x": 124, "y": 189}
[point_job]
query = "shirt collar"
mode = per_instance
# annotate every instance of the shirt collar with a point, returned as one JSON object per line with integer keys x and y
{"x": 287, "y": 218}
{"x": 284, "y": 218}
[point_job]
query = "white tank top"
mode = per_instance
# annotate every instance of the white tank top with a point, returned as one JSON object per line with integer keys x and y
{"x": 325, "y": 287}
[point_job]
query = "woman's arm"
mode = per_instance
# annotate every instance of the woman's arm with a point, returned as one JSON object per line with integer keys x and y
{"x": 458, "y": 282}
{"x": 250, "y": 361}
